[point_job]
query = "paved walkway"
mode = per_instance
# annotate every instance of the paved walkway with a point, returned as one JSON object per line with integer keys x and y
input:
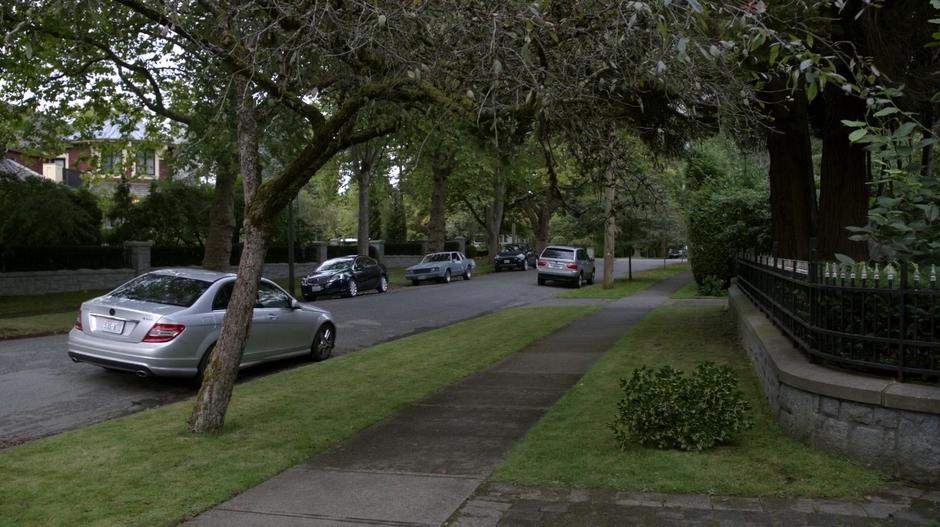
{"x": 427, "y": 464}
{"x": 418, "y": 466}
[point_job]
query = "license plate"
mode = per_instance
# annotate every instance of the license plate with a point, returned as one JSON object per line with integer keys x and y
{"x": 507, "y": 261}
{"x": 316, "y": 288}
{"x": 110, "y": 325}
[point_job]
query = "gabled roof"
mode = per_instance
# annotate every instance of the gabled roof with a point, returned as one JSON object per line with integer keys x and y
{"x": 13, "y": 168}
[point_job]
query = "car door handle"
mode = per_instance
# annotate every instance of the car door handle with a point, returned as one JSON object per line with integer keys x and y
{"x": 272, "y": 317}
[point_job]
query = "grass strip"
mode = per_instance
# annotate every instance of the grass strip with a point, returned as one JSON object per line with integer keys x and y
{"x": 690, "y": 290}
{"x": 145, "y": 469}
{"x": 623, "y": 287}
{"x": 28, "y": 305}
{"x": 573, "y": 447}
{"x": 11, "y": 328}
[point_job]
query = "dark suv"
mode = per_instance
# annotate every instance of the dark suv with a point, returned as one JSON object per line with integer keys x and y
{"x": 514, "y": 256}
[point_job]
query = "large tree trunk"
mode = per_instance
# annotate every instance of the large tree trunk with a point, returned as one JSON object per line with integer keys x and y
{"x": 218, "y": 247}
{"x": 442, "y": 165}
{"x": 844, "y": 177}
{"x": 792, "y": 188}
{"x": 610, "y": 228}
{"x": 494, "y": 212}
{"x": 365, "y": 157}
{"x": 222, "y": 368}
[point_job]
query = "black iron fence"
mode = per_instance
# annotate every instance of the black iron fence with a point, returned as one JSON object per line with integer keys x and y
{"x": 881, "y": 319}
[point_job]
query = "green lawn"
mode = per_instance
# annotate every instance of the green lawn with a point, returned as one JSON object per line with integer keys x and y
{"x": 573, "y": 447}
{"x": 25, "y": 316}
{"x": 20, "y": 306}
{"x": 146, "y": 470}
{"x": 623, "y": 287}
{"x": 690, "y": 290}
{"x": 17, "y": 327}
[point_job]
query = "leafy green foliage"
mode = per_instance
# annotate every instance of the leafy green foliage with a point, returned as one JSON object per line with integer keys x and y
{"x": 173, "y": 214}
{"x": 727, "y": 208}
{"x": 665, "y": 409}
{"x": 39, "y": 212}
{"x": 711, "y": 286}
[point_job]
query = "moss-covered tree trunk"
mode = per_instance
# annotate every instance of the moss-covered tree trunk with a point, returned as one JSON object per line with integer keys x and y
{"x": 222, "y": 368}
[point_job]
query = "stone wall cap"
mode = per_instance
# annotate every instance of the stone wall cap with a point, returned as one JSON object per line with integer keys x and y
{"x": 131, "y": 243}
{"x": 794, "y": 369}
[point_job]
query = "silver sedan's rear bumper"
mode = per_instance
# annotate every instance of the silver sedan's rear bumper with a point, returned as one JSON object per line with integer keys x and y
{"x": 172, "y": 359}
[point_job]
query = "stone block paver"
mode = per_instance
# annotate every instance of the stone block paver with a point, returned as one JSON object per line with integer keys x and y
{"x": 597, "y": 507}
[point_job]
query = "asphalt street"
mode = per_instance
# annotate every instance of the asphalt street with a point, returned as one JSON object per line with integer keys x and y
{"x": 42, "y": 392}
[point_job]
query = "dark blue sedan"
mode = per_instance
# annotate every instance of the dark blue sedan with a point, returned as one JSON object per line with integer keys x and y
{"x": 346, "y": 276}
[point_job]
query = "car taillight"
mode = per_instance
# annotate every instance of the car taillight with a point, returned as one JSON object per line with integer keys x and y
{"x": 78, "y": 321}
{"x": 572, "y": 266}
{"x": 164, "y": 332}
{"x": 541, "y": 263}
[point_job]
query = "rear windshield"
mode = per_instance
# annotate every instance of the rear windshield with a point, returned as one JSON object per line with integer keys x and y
{"x": 163, "y": 289}
{"x": 560, "y": 254}
{"x": 437, "y": 257}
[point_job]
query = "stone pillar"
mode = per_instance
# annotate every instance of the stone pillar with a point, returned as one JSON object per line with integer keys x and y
{"x": 461, "y": 244}
{"x": 138, "y": 256}
{"x": 319, "y": 253}
{"x": 424, "y": 247}
{"x": 379, "y": 246}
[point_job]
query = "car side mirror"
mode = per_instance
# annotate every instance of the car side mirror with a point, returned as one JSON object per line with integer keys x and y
{"x": 294, "y": 304}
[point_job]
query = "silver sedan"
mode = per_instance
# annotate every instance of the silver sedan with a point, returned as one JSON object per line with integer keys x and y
{"x": 166, "y": 322}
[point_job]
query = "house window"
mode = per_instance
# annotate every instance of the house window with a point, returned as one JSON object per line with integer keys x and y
{"x": 146, "y": 164}
{"x": 111, "y": 160}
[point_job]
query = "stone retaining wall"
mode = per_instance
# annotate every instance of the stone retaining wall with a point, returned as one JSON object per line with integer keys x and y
{"x": 398, "y": 261}
{"x": 42, "y": 282}
{"x": 875, "y": 421}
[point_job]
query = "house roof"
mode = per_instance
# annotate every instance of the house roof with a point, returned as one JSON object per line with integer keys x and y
{"x": 9, "y": 166}
{"x": 111, "y": 130}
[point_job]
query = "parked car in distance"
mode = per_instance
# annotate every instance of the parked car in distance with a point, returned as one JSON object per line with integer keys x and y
{"x": 678, "y": 252}
{"x": 514, "y": 256}
{"x": 565, "y": 264}
{"x": 346, "y": 276}
{"x": 166, "y": 322}
{"x": 442, "y": 267}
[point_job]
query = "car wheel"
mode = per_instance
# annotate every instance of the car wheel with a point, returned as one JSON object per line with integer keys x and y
{"x": 467, "y": 274}
{"x": 323, "y": 342}
{"x": 383, "y": 284}
{"x": 578, "y": 281}
{"x": 352, "y": 289}
{"x": 525, "y": 265}
{"x": 446, "y": 278}
{"x": 415, "y": 282}
{"x": 591, "y": 279}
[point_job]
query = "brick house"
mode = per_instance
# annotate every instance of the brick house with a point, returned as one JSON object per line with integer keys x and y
{"x": 100, "y": 161}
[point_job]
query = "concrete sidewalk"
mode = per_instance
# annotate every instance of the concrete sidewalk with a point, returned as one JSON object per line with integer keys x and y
{"x": 420, "y": 465}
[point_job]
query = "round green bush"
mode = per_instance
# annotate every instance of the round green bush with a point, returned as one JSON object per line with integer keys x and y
{"x": 666, "y": 409}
